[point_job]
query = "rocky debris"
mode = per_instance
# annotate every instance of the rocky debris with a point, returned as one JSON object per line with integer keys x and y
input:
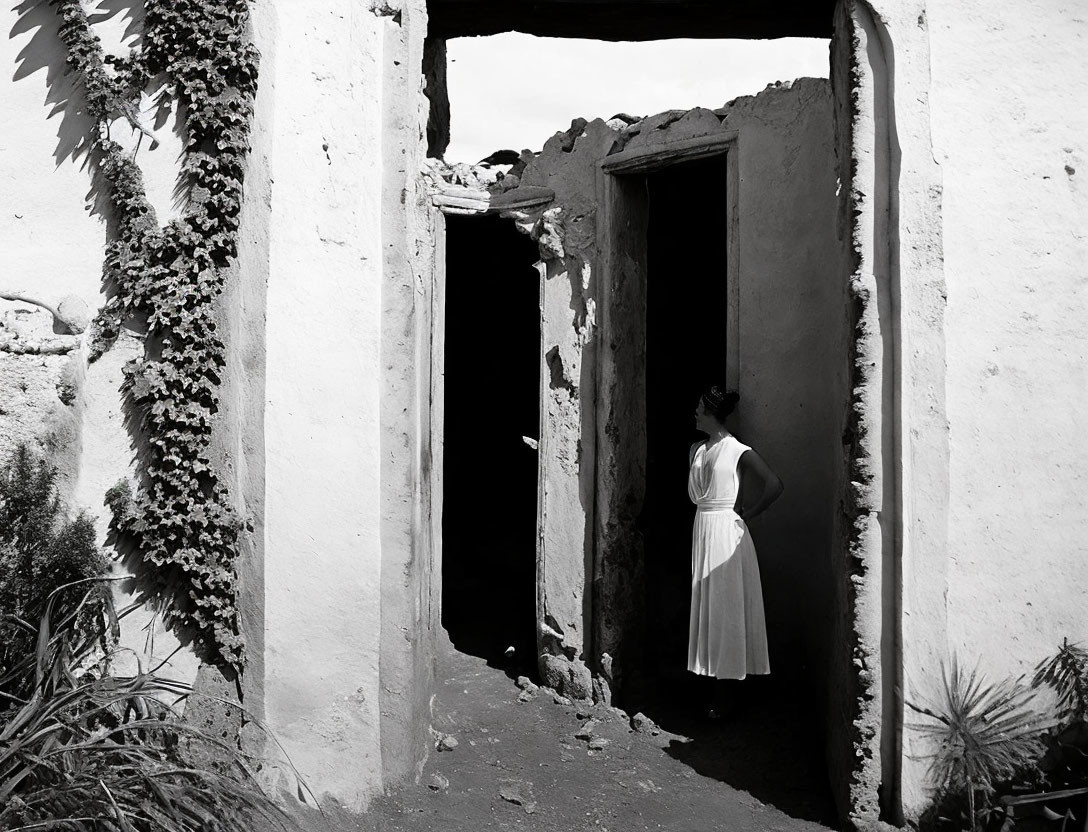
{"x": 559, "y": 699}
{"x": 570, "y": 677}
{"x": 598, "y": 743}
{"x": 601, "y": 691}
{"x": 527, "y": 695}
{"x": 72, "y": 313}
{"x": 587, "y": 729}
{"x": 445, "y": 742}
{"x": 642, "y": 724}
{"x": 31, "y": 332}
{"x": 525, "y": 683}
{"x": 519, "y": 793}
{"x": 487, "y": 186}
{"x": 438, "y": 783}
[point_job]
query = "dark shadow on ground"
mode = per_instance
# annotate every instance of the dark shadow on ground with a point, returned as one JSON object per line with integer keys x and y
{"x": 770, "y": 745}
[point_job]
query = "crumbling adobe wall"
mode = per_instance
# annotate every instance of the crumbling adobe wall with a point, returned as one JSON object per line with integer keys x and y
{"x": 793, "y": 339}
{"x": 41, "y": 381}
{"x": 855, "y": 685}
{"x": 895, "y": 512}
{"x": 568, "y": 166}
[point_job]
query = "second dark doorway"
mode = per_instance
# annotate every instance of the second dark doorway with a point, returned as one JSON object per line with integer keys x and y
{"x": 492, "y": 405}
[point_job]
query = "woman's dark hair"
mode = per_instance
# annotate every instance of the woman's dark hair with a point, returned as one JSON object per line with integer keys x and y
{"x": 718, "y": 401}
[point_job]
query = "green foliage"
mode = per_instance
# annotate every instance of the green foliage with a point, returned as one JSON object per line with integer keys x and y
{"x": 1065, "y": 764}
{"x": 1066, "y": 672}
{"x": 178, "y": 532}
{"x": 985, "y": 734}
{"x": 91, "y": 753}
{"x": 40, "y": 550}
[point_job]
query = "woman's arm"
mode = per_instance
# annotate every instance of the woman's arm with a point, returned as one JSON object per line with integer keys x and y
{"x": 752, "y": 467}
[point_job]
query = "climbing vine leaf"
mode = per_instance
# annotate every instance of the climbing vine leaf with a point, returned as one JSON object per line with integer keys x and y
{"x": 178, "y": 525}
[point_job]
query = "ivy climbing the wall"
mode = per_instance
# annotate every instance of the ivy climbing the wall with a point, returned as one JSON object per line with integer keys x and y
{"x": 177, "y": 528}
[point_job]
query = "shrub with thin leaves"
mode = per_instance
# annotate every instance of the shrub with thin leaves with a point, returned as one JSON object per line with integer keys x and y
{"x": 98, "y": 753}
{"x": 1066, "y": 672}
{"x": 81, "y": 750}
{"x": 41, "y": 549}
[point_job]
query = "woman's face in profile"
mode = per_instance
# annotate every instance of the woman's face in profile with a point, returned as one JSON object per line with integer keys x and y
{"x": 703, "y": 420}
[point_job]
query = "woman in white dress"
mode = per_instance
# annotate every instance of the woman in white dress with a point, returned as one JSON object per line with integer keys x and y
{"x": 729, "y": 484}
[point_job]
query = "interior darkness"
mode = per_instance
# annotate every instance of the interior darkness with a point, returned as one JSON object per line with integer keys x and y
{"x": 492, "y": 400}
{"x": 774, "y": 730}
{"x": 685, "y": 348}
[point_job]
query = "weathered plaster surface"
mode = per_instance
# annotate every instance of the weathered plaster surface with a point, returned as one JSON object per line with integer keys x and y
{"x": 568, "y": 384}
{"x": 323, "y": 567}
{"x": 857, "y": 690}
{"x": 41, "y": 388}
{"x": 410, "y": 469}
{"x": 1015, "y": 227}
{"x": 620, "y": 447}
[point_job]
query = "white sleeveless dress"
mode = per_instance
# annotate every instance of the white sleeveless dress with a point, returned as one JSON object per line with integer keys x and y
{"x": 727, "y": 636}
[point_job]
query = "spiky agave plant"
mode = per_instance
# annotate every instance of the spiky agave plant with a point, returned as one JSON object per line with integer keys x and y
{"x": 96, "y": 753}
{"x": 985, "y": 734}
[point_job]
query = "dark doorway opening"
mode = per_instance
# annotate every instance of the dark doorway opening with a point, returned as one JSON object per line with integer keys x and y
{"x": 492, "y": 405}
{"x": 685, "y": 348}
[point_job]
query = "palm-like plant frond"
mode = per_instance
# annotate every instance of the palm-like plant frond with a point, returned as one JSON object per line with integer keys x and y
{"x": 1066, "y": 672}
{"x": 985, "y": 733}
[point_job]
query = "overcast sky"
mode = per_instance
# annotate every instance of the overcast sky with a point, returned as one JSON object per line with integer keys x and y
{"x": 515, "y": 91}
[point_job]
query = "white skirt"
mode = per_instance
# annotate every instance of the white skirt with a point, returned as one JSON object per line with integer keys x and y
{"x": 727, "y": 635}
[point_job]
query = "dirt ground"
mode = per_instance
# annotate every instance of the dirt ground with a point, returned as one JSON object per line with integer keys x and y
{"x": 532, "y": 763}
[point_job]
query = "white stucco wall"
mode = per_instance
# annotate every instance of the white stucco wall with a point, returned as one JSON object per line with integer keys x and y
{"x": 321, "y": 533}
{"x": 333, "y": 129}
{"x": 1010, "y": 117}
